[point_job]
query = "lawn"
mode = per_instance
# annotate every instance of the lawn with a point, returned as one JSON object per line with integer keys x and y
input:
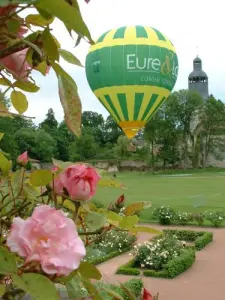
{"x": 193, "y": 192}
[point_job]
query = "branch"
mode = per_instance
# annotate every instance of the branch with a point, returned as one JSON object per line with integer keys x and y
{"x": 13, "y": 49}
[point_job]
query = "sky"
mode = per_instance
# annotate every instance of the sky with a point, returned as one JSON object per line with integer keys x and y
{"x": 194, "y": 27}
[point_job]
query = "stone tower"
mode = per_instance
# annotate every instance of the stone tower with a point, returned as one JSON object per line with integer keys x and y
{"x": 198, "y": 79}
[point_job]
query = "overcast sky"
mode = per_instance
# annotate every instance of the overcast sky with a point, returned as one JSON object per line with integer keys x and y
{"x": 187, "y": 24}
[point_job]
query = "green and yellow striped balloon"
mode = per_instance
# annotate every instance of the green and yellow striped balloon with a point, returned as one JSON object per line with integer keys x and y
{"x": 132, "y": 70}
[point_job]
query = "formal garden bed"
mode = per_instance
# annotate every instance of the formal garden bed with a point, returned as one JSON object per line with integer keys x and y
{"x": 112, "y": 244}
{"x": 166, "y": 215}
{"x": 167, "y": 255}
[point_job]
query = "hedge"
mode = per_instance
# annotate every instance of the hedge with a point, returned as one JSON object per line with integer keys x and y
{"x": 101, "y": 259}
{"x": 201, "y": 238}
{"x": 181, "y": 263}
{"x": 173, "y": 268}
{"x": 128, "y": 269}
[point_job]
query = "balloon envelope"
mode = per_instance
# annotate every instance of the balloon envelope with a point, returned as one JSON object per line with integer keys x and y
{"x": 132, "y": 70}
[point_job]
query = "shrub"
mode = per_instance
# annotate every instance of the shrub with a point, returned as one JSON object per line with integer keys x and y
{"x": 164, "y": 214}
{"x": 153, "y": 273}
{"x": 180, "y": 263}
{"x": 199, "y": 218}
{"x": 216, "y": 218}
{"x": 203, "y": 240}
{"x": 128, "y": 271}
{"x": 184, "y": 218}
{"x": 156, "y": 253}
{"x": 115, "y": 240}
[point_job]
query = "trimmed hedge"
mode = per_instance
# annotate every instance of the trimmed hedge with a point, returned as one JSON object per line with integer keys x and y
{"x": 172, "y": 269}
{"x": 128, "y": 269}
{"x": 201, "y": 238}
{"x": 181, "y": 263}
{"x": 99, "y": 260}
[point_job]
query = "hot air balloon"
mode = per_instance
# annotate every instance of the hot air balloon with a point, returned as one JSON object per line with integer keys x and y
{"x": 132, "y": 70}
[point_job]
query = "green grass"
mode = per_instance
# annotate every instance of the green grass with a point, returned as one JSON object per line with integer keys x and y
{"x": 198, "y": 192}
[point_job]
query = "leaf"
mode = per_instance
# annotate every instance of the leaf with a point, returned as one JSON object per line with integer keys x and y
{"x": 37, "y": 286}
{"x": 33, "y": 46}
{"x": 113, "y": 218}
{"x": 38, "y": 20}
{"x": 5, "y": 164}
{"x": 4, "y": 111}
{"x": 110, "y": 182}
{"x": 13, "y": 25}
{"x": 42, "y": 67}
{"x": 128, "y": 222}
{"x": 19, "y": 101}
{"x": 113, "y": 294}
{"x": 69, "y": 57}
{"x": 31, "y": 192}
{"x": 128, "y": 292}
{"x": 5, "y": 82}
{"x": 95, "y": 220}
{"x": 145, "y": 229}
{"x": 61, "y": 164}
{"x": 2, "y": 289}
{"x": 133, "y": 208}
{"x": 44, "y": 13}
{"x": 73, "y": 288}
{"x": 89, "y": 271}
{"x": 49, "y": 45}
{"x": 68, "y": 14}
{"x": 40, "y": 177}
{"x": 26, "y": 86}
{"x": 71, "y": 104}
{"x": 1, "y": 135}
{"x": 91, "y": 289}
{"x": 7, "y": 262}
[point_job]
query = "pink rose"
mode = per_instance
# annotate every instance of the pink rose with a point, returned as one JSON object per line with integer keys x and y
{"x": 79, "y": 180}
{"x": 23, "y": 159}
{"x": 48, "y": 237}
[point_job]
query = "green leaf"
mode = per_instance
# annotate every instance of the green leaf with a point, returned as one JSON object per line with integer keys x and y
{"x": 37, "y": 286}
{"x": 19, "y": 101}
{"x": 113, "y": 218}
{"x": 2, "y": 289}
{"x": 1, "y": 135}
{"x": 26, "y": 86}
{"x": 42, "y": 67}
{"x": 44, "y": 13}
{"x": 95, "y": 220}
{"x": 69, "y": 57}
{"x": 89, "y": 271}
{"x": 73, "y": 288}
{"x": 71, "y": 104}
{"x": 133, "y": 208}
{"x": 110, "y": 182}
{"x": 40, "y": 177}
{"x": 8, "y": 2}
{"x": 49, "y": 45}
{"x": 61, "y": 164}
{"x": 128, "y": 292}
{"x": 16, "y": 181}
{"x": 7, "y": 262}
{"x": 128, "y": 222}
{"x": 38, "y": 20}
{"x": 68, "y": 14}
{"x": 91, "y": 289}
{"x": 5, "y": 82}
{"x": 5, "y": 164}
{"x": 31, "y": 192}
{"x": 113, "y": 294}
{"x": 13, "y": 25}
{"x": 33, "y": 46}
{"x": 145, "y": 229}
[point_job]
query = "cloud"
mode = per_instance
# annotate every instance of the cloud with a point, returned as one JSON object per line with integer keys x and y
{"x": 187, "y": 24}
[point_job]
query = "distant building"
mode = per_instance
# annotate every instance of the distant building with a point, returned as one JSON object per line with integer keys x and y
{"x": 198, "y": 79}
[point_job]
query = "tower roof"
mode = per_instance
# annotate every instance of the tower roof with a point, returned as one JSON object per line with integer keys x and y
{"x": 199, "y": 73}
{"x": 197, "y": 60}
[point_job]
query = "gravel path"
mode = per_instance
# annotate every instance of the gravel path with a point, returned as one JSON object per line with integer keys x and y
{"x": 205, "y": 280}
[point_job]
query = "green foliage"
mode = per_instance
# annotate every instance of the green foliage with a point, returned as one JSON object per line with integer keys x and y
{"x": 180, "y": 263}
{"x": 7, "y": 262}
{"x": 165, "y": 215}
{"x": 128, "y": 271}
{"x": 216, "y": 218}
{"x": 200, "y": 238}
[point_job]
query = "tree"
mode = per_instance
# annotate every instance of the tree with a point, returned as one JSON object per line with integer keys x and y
{"x": 83, "y": 148}
{"x": 112, "y": 130}
{"x": 121, "y": 147}
{"x": 93, "y": 123}
{"x": 50, "y": 124}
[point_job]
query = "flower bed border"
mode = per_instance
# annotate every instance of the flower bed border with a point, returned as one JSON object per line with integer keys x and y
{"x": 200, "y": 238}
{"x": 102, "y": 259}
{"x": 174, "y": 267}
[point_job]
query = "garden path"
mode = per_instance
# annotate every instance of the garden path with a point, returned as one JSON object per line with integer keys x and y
{"x": 205, "y": 280}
